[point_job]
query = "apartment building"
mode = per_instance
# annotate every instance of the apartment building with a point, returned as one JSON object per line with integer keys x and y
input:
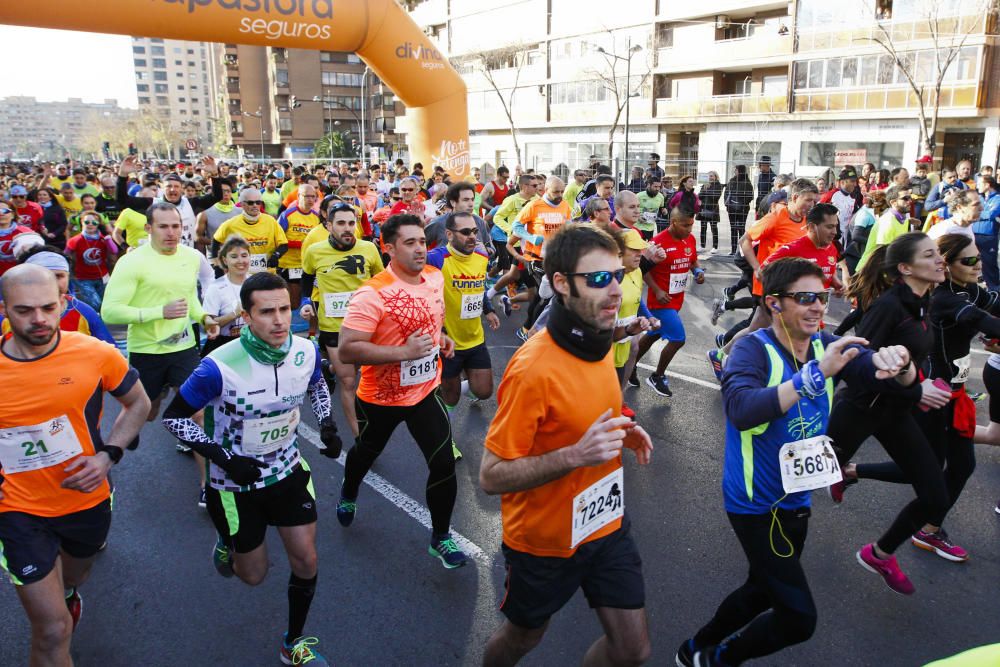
{"x": 176, "y": 84}
{"x": 52, "y": 130}
{"x": 717, "y": 83}
{"x": 279, "y": 102}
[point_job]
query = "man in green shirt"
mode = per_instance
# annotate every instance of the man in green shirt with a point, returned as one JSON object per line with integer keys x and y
{"x": 154, "y": 290}
{"x": 272, "y": 198}
{"x": 575, "y": 186}
{"x": 891, "y": 224}
{"x": 651, "y": 205}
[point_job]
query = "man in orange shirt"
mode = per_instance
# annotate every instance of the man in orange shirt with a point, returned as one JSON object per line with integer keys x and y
{"x": 55, "y": 500}
{"x": 557, "y": 461}
{"x": 783, "y": 226}
{"x": 393, "y": 329}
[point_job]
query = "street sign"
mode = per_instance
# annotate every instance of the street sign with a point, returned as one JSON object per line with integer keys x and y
{"x": 191, "y": 144}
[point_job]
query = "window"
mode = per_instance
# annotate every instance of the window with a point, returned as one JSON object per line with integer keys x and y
{"x": 664, "y": 36}
{"x": 142, "y": 88}
{"x": 184, "y": 112}
{"x": 281, "y": 77}
{"x": 833, "y": 69}
{"x": 160, "y": 87}
{"x": 177, "y": 49}
{"x": 178, "y": 63}
{"x": 577, "y": 92}
{"x": 326, "y": 57}
{"x": 194, "y": 100}
{"x": 236, "y": 126}
{"x": 138, "y": 49}
{"x": 180, "y": 86}
{"x": 143, "y": 100}
{"x": 162, "y": 100}
{"x": 159, "y": 76}
{"x": 159, "y": 62}
{"x": 140, "y": 63}
{"x": 285, "y": 124}
{"x": 190, "y": 52}
{"x": 849, "y": 76}
{"x": 196, "y": 112}
{"x": 156, "y": 50}
{"x": 190, "y": 63}
{"x": 346, "y": 79}
{"x": 775, "y": 85}
{"x": 156, "y": 40}
{"x": 816, "y": 74}
{"x": 353, "y": 58}
{"x": 182, "y": 99}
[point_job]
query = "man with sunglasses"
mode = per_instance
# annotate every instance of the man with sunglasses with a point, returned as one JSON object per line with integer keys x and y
{"x": 557, "y": 461}
{"x": 409, "y": 203}
{"x": 892, "y": 224}
{"x": 464, "y": 265}
{"x": 777, "y": 392}
{"x": 266, "y": 237}
{"x": 29, "y": 214}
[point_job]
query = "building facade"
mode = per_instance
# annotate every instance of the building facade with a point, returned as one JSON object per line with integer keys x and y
{"x": 720, "y": 83}
{"x": 176, "y": 84}
{"x": 280, "y": 102}
{"x": 30, "y": 129}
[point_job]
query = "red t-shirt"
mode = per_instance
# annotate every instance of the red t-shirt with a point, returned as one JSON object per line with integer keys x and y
{"x": 416, "y": 207}
{"x": 672, "y": 274}
{"x": 30, "y": 216}
{"x": 770, "y": 233}
{"x": 90, "y": 256}
{"x": 825, "y": 258}
{"x": 7, "y": 260}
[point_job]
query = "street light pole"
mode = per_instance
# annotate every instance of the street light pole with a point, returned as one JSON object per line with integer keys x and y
{"x": 626, "y": 179}
{"x": 361, "y": 132}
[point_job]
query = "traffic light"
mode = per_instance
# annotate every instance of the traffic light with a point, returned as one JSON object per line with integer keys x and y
{"x": 293, "y": 102}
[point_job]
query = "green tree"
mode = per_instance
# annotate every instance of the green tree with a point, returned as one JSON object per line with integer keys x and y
{"x": 333, "y": 145}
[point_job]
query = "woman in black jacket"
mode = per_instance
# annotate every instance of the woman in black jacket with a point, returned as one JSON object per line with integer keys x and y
{"x": 738, "y": 195}
{"x": 709, "y": 195}
{"x": 53, "y": 217}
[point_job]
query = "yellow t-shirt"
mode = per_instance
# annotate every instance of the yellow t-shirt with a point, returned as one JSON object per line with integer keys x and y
{"x": 631, "y": 295}
{"x": 70, "y": 207}
{"x": 464, "y": 288}
{"x": 55, "y": 182}
{"x": 297, "y": 226}
{"x": 264, "y": 237}
{"x": 133, "y": 224}
{"x": 338, "y": 274}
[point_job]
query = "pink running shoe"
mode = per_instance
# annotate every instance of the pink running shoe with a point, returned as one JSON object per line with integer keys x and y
{"x": 940, "y": 544}
{"x": 888, "y": 569}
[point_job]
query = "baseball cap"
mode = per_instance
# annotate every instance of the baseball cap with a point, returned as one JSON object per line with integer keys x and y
{"x": 764, "y": 159}
{"x": 634, "y": 241}
{"x": 19, "y": 190}
{"x": 847, "y": 173}
{"x": 173, "y": 177}
{"x": 925, "y": 159}
{"x": 66, "y": 186}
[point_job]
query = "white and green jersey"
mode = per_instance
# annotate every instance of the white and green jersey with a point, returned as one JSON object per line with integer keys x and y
{"x": 252, "y": 408}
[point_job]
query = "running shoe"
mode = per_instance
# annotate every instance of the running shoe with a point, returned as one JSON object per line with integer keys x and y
{"x": 940, "y": 544}
{"x": 708, "y": 657}
{"x": 506, "y": 305}
{"x": 978, "y": 396}
{"x": 659, "y": 384}
{"x": 456, "y": 452}
{"x": 447, "y": 552}
{"x": 997, "y": 508}
{"x": 718, "y": 308}
{"x": 713, "y": 251}
{"x": 715, "y": 358}
{"x": 729, "y": 293}
{"x": 182, "y": 448}
{"x": 685, "y": 654}
{"x": 74, "y": 603}
{"x": 888, "y": 569}
{"x": 346, "y": 509}
{"x": 633, "y": 381}
{"x": 301, "y": 652}
{"x": 202, "y": 501}
{"x": 522, "y": 334}
{"x": 222, "y": 558}
{"x": 720, "y": 340}
{"x": 627, "y": 412}
{"x": 836, "y": 491}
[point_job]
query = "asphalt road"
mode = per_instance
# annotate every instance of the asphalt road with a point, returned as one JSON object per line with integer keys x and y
{"x": 155, "y": 599}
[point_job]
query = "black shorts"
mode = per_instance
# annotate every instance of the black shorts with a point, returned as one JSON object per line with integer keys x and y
{"x": 609, "y": 571}
{"x": 159, "y": 371}
{"x": 474, "y": 357}
{"x": 241, "y": 517}
{"x": 291, "y": 281}
{"x": 329, "y": 338}
{"x": 991, "y": 378}
{"x": 29, "y": 544}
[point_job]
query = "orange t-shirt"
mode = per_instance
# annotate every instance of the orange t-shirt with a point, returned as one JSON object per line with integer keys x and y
{"x": 539, "y": 411}
{"x": 771, "y": 232}
{"x": 391, "y": 310}
{"x": 542, "y": 219}
{"x": 64, "y": 386}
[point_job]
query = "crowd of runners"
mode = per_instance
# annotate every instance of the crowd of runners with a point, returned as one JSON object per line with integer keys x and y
{"x": 369, "y": 288}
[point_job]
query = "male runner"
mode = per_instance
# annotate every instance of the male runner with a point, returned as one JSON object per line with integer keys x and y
{"x": 494, "y": 192}
{"x": 297, "y": 221}
{"x": 667, "y": 282}
{"x": 461, "y": 197}
{"x": 332, "y": 270}
{"x": 212, "y": 218}
{"x": 266, "y": 237}
{"x": 557, "y": 461}
{"x": 393, "y": 329}
{"x": 29, "y": 214}
{"x": 55, "y": 500}
{"x": 464, "y": 267}
{"x": 251, "y": 390}
{"x": 817, "y": 245}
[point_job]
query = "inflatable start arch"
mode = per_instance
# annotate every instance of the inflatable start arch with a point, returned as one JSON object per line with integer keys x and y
{"x": 380, "y": 32}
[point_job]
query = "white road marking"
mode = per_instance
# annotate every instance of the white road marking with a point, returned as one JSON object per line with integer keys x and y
{"x": 401, "y": 500}
{"x": 681, "y": 376}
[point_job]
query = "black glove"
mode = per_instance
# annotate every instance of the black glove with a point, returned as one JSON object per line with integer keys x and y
{"x": 332, "y": 445}
{"x": 272, "y": 261}
{"x": 243, "y": 470}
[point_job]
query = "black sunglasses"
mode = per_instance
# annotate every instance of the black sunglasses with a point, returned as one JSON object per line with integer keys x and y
{"x": 806, "y": 298}
{"x": 340, "y": 206}
{"x": 969, "y": 261}
{"x": 601, "y": 279}
{"x": 471, "y": 231}
{"x": 253, "y": 202}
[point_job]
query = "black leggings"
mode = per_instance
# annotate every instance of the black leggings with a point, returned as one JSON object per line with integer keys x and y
{"x": 905, "y": 441}
{"x": 737, "y": 225}
{"x": 428, "y": 423}
{"x": 705, "y": 223}
{"x": 954, "y": 453}
{"x": 774, "y": 608}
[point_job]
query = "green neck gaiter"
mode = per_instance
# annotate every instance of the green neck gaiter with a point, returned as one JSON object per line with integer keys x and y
{"x": 261, "y": 351}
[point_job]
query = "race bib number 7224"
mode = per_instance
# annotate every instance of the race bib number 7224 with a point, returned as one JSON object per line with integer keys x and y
{"x": 597, "y": 506}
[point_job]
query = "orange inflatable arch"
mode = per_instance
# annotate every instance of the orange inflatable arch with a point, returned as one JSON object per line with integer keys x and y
{"x": 380, "y": 32}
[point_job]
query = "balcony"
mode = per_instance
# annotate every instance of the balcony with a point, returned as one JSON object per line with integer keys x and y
{"x": 882, "y": 98}
{"x": 844, "y": 36}
{"x": 760, "y": 49}
{"x": 722, "y": 105}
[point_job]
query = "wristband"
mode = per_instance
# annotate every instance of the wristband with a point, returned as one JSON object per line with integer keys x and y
{"x": 797, "y": 384}
{"x": 698, "y": 272}
{"x": 813, "y": 380}
{"x": 114, "y": 453}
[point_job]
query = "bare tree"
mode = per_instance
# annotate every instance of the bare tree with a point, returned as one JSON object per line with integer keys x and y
{"x": 488, "y": 63}
{"x": 613, "y": 79}
{"x": 948, "y": 33}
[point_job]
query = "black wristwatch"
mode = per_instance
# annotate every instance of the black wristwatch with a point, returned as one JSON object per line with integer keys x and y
{"x": 114, "y": 453}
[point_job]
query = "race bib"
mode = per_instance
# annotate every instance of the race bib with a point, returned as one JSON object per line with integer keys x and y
{"x": 419, "y": 371}
{"x": 597, "y": 506}
{"x": 649, "y": 216}
{"x": 335, "y": 303}
{"x": 258, "y": 263}
{"x": 178, "y": 338}
{"x": 678, "y": 282}
{"x": 808, "y": 464}
{"x": 26, "y": 448}
{"x": 962, "y": 366}
{"x": 294, "y": 274}
{"x": 625, "y": 321}
{"x": 472, "y": 306}
{"x": 269, "y": 434}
